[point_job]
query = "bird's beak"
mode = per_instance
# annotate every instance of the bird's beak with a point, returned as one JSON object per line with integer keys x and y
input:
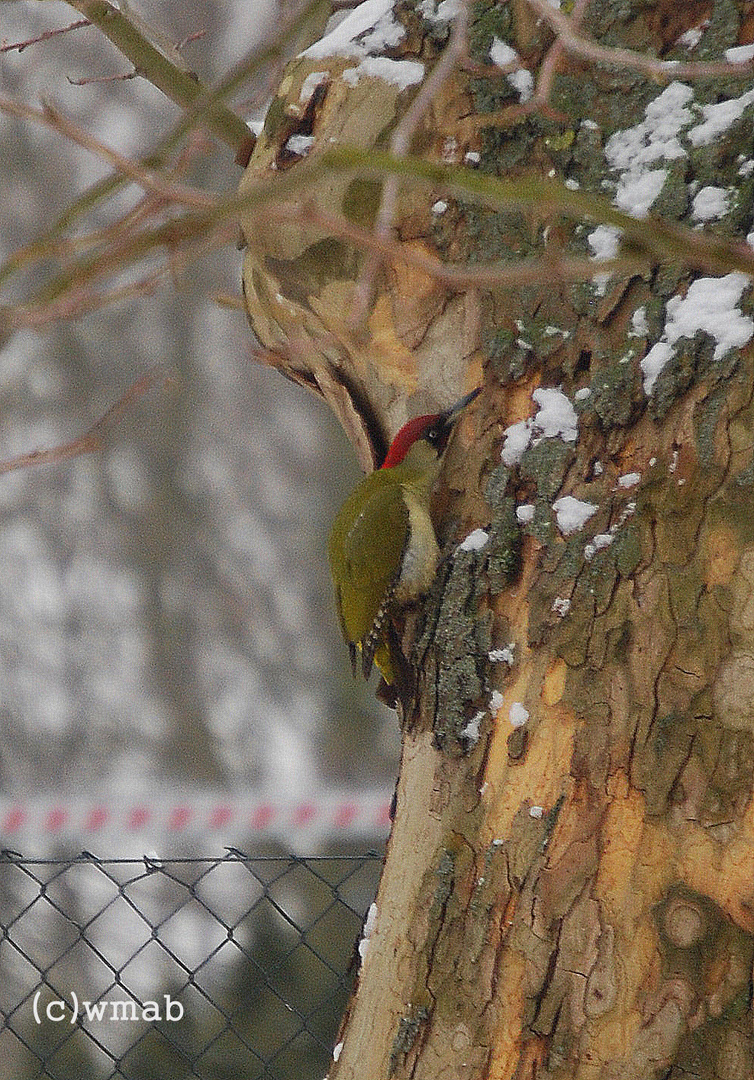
{"x": 445, "y": 421}
{"x": 450, "y": 414}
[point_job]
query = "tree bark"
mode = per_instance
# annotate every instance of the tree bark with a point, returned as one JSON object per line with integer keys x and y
{"x": 569, "y": 884}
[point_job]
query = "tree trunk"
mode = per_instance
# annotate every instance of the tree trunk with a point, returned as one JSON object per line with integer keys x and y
{"x": 569, "y": 884}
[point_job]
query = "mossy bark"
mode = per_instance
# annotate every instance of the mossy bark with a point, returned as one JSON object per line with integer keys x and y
{"x": 571, "y": 896}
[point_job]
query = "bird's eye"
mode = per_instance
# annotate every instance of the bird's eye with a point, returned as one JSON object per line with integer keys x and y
{"x": 434, "y": 434}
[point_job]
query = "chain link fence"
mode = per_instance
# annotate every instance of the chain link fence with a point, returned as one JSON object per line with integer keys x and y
{"x": 152, "y": 969}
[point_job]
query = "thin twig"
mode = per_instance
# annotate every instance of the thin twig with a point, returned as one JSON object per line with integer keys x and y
{"x": 251, "y": 63}
{"x": 69, "y": 292}
{"x": 49, "y": 116}
{"x": 229, "y": 301}
{"x": 179, "y": 85}
{"x": 196, "y": 36}
{"x": 66, "y": 247}
{"x": 551, "y": 62}
{"x": 399, "y": 145}
{"x": 545, "y": 268}
{"x": 156, "y": 36}
{"x": 664, "y": 240}
{"x": 76, "y": 303}
{"x": 540, "y": 99}
{"x": 21, "y": 45}
{"x": 91, "y": 80}
{"x": 71, "y": 296}
{"x": 93, "y": 438}
{"x": 663, "y": 70}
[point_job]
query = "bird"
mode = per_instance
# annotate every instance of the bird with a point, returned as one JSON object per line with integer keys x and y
{"x": 383, "y": 551}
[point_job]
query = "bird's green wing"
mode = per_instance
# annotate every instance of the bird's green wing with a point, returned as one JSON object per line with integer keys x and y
{"x": 366, "y": 549}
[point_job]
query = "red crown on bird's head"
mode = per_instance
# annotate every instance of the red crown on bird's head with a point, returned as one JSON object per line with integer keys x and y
{"x": 406, "y": 438}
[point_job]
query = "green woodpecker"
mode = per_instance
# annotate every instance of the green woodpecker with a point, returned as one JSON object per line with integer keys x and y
{"x": 383, "y": 549}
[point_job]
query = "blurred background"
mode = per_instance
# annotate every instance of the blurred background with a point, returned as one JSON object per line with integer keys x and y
{"x": 172, "y": 678}
{"x": 167, "y": 634}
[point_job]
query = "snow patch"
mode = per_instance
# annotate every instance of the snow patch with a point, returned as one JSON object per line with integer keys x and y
{"x": 718, "y": 117}
{"x": 522, "y": 80}
{"x": 517, "y": 714}
{"x": 639, "y": 324}
{"x": 470, "y": 733}
{"x": 310, "y": 84}
{"x": 555, "y": 418}
{"x": 525, "y": 513}
{"x": 501, "y": 54}
{"x": 740, "y": 54}
{"x": 365, "y": 34}
{"x": 475, "y": 541}
{"x": 496, "y": 701}
{"x": 572, "y": 514}
{"x": 710, "y": 305}
{"x": 370, "y": 28}
{"x": 299, "y": 144}
{"x": 597, "y": 543}
{"x": 517, "y": 439}
{"x": 710, "y": 203}
{"x": 638, "y": 153}
{"x": 690, "y": 38}
{"x": 400, "y": 73}
{"x": 561, "y": 605}
{"x": 444, "y": 12}
{"x": 369, "y": 925}
{"x": 653, "y": 363}
{"x": 604, "y": 242}
{"x": 503, "y": 656}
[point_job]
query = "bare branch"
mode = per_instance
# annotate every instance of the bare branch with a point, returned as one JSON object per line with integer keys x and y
{"x": 72, "y": 295}
{"x": 179, "y": 85}
{"x": 53, "y": 240}
{"x": 21, "y": 45}
{"x": 664, "y": 240}
{"x": 78, "y": 302}
{"x": 504, "y": 275}
{"x": 540, "y": 100}
{"x": 93, "y": 438}
{"x": 399, "y": 144}
{"x": 50, "y": 117}
{"x": 90, "y": 80}
{"x": 153, "y": 225}
{"x": 663, "y": 70}
{"x": 196, "y": 36}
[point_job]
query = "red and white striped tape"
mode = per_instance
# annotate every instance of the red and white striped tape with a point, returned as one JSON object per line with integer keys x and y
{"x": 330, "y": 812}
